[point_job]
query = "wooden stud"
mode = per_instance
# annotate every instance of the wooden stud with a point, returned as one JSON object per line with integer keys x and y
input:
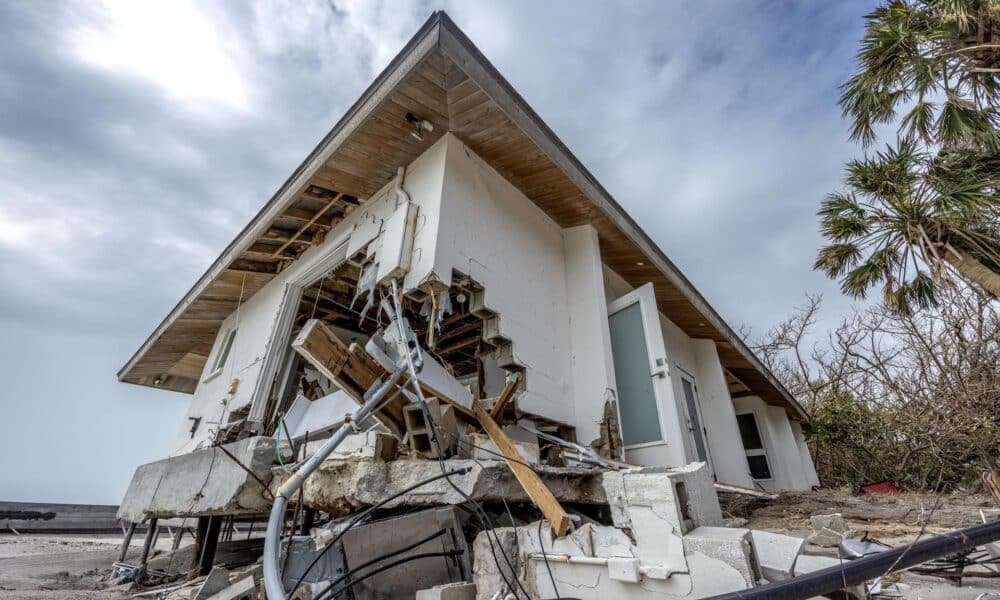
{"x": 529, "y": 480}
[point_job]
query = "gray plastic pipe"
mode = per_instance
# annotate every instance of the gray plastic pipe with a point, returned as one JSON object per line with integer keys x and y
{"x": 273, "y": 586}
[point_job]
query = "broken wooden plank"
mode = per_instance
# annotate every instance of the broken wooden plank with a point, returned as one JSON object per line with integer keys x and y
{"x": 355, "y": 371}
{"x": 505, "y": 397}
{"x": 351, "y": 368}
{"x": 526, "y": 476}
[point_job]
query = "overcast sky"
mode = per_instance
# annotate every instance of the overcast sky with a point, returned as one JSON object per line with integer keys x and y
{"x": 137, "y": 139}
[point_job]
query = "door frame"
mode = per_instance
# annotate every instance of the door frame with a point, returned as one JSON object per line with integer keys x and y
{"x": 685, "y": 375}
{"x": 653, "y": 336}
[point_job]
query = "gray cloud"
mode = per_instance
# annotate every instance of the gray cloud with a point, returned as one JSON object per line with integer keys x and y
{"x": 134, "y": 146}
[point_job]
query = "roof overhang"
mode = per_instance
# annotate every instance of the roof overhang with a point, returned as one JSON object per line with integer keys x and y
{"x": 442, "y": 77}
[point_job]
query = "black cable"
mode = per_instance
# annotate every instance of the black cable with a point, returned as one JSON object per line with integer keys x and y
{"x": 367, "y": 512}
{"x": 484, "y": 518}
{"x": 330, "y": 593}
{"x": 381, "y": 558}
{"x": 545, "y": 557}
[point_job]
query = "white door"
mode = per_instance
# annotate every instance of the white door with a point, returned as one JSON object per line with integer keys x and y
{"x": 640, "y": 360}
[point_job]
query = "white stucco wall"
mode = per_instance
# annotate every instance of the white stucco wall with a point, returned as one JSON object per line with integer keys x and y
{"x": 728, "y": 458}
{"x": 697, "y": 359}
{"x": 593, "y": 374}
{"x": 784, "y": 454}
{"x": 493, "y": 233}
{"x": 258, "y": 315}
{"x": 808, "y": 467}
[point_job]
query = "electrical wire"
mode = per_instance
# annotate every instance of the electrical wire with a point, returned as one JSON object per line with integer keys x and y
{"x": 368, "y": 511}
{"x": 545, "y": 557}
{"x": 415, "y": 382}
{"x": 379, "y": 559}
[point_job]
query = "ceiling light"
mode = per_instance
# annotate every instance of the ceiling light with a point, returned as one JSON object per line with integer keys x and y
{"x": 419, "y": 126}
{"x": 639, "y": 263}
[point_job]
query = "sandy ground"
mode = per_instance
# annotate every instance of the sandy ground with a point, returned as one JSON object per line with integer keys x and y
{"x": 56, "y": 567}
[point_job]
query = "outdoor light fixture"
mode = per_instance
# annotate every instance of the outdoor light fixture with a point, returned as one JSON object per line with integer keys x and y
{"x": 419, "y": 126}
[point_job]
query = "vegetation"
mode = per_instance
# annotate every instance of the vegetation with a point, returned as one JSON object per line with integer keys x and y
{"x": 926, "y": 206}
{"x": 911, "y": 398}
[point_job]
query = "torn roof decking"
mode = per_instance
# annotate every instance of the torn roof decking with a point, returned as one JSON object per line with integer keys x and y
{"x": 442, "y": 77}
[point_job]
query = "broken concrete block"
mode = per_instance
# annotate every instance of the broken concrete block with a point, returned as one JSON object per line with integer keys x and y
{"x": 244, "y": 589}
{"x": 342, "y": 486}
{"x": 204, "y": 482}
{"x": 609, "y": 542}
{"x": 834, "y": 522}
{"x": 776, "y": 554}
{"x": 731, "y": 546}
{"x": 828, "y": 530}
{"x": 624, "y": 569}
{"x": 826, "y": 538}
{"x": 808, "y": 563}
{"x": 481, "y": 447}
{"x": 684, "y": 496}
{"x": 486, "y": 571}
{"x": 449, "y": 591}
{"x": 217, "y": 580}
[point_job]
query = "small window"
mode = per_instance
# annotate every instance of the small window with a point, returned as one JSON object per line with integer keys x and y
{"x": 223, "y": 354}
{"x": 753, "y": 445}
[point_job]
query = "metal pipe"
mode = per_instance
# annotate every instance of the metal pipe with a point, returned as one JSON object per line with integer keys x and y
{"x": 860, "y": 570}
{"x": 272, "y": 541}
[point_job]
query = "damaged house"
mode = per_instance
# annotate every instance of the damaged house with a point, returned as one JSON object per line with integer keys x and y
{"x": 442, "y": 202}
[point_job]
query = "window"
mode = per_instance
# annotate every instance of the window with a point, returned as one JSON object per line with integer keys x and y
{"x": 753, "y": 445}
{"x": 223, "y": 354}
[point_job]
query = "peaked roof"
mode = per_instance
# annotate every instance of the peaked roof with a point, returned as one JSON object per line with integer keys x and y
{"x": 442, "y": 77}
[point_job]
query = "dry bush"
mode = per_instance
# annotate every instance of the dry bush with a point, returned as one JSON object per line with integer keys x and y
{"x": 910, "y": 398}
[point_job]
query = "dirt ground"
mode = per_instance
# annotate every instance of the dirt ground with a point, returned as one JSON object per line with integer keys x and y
{"x": 893, "y": 520}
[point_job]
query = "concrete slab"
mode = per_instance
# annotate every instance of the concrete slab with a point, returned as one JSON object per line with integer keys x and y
{"x": 731, "y": 546}
{"x": 201, "y": 483}
{"x": 486, "y": 571}
{"x": 808, "y": 563}
{"x": 217, "y": 580}
{"x": 342, "y": 486}
{"x": 776, "y": 554}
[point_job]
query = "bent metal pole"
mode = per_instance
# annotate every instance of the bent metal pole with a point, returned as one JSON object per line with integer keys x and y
{"x": 272, "y": 541}
{"x": 860, "y": 570}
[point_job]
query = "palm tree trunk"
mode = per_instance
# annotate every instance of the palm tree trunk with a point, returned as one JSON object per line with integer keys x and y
{"x": 974, "y": 271}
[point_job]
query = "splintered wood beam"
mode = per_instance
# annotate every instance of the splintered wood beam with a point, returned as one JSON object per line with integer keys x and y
{"x": 529, "y": 480}
{"x": 351, "y": 368}
{"x": 308, "y": 224}
{"x": 505, "y": 396}
{"x": 355, "y": 371}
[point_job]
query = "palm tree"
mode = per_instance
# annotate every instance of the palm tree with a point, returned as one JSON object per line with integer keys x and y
{"x": 926, "y": 206}
{"x": 905, "y": 217}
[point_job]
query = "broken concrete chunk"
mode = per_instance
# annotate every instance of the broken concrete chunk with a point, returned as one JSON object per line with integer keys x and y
{"x": 481, "y": 447}
{"x": 345, "y": 485}
{"x": 449, "y": 591}
{"x": 683, "y": 496}
{"x": 828, "y": 530}
{"x": 776, "y": 554}
{"x": 217, "y": 580}
{"x": 203, "y": 482}
{"x": 244, "y": 589}
{"x": 731, "y": 546}
{"x": 826, "y": 538}
{"x": 486, "y": 570}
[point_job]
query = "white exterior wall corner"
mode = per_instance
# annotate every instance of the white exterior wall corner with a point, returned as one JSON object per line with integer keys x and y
{"x": 593, "y": 378}
{"x": 728, "y": 456}
{"x": 779, "y": 443}
{"x": 808, "y": 467}
{"x": 489, "y": 230}
{"x": 258, "y": 316}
